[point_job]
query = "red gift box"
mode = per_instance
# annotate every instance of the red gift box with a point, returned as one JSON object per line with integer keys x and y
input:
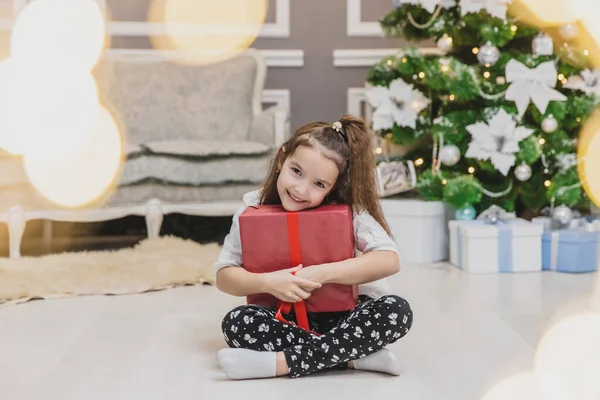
{"x": 274, "y": 239}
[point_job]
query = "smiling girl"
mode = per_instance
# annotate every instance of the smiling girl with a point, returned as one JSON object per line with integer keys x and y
{"x": 321, "y": 163}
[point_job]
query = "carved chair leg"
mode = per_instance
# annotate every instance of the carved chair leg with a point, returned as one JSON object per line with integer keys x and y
{"x": 16, "y": 228}
{"x": 154, "y": 218}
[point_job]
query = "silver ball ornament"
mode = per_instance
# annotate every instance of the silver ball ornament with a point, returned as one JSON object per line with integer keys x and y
{"x": 488, "y": 54}
{"x": 562, "y": 215}
{"x": 549, "y": 124}
{"x": 568, "y": 31}
{"x": 445, "y": 43}
{"x": 449, "y": 155}
{"x": 543, "y": 45}
{"x": 523, "y": 172}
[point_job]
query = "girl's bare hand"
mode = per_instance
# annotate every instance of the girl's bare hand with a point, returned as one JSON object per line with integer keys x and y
{"x": 287, "y": 287}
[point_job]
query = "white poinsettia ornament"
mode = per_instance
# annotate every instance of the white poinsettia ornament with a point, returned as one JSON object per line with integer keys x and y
{"x": 497, "y": 140}
{"x": 496, "y": 8}
{"x": 400, "y": 103}
{"x": 588, "y": 82}
{"x": 429, "y": 5}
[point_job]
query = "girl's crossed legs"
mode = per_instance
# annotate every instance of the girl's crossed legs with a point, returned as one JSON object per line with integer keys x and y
{"x": 355, "y": 335}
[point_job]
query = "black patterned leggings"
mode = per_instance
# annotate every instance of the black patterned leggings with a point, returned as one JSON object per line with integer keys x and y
{"x": 346, "y": 336}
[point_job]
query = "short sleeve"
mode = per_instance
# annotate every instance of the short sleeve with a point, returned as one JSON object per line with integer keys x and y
{"x": 231, "y": 253}
{"x": 369, "y": 235}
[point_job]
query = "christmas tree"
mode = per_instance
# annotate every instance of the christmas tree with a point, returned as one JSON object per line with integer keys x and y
{"x": 494, "y": 116}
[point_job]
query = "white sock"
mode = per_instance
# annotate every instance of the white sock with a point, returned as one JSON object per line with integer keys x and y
{"x": 382, "y": 361}
{"x": 247, "y": 364}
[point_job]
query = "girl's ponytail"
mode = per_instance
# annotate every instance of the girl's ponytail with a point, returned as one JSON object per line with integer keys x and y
{"x": 360, "y": 183}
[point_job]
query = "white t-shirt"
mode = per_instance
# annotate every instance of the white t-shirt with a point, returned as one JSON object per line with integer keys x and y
{"x": 369, "y": 235}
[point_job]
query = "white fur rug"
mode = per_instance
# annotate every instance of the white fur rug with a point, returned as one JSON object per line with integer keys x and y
{"x": 153, "y": 264}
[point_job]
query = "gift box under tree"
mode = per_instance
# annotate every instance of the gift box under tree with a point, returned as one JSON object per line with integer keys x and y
{"x": 491, "y": 247}
{"x": 570, "y": 250}
{"x": 574, "y": 249}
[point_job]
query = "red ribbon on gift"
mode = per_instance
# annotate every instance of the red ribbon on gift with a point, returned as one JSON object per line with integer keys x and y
{"x": 295, "y": 260}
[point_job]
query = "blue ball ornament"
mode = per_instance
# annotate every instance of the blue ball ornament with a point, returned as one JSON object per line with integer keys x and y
{"x": 466, "y": 213}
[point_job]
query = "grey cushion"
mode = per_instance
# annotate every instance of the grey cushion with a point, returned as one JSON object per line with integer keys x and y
{"x": 207, "y": 148}
{"x": 30, "y": 199}
{"x": 13, "y": 173}
{"x": 180, "y": 194}
{"x": 168, "y": 169}
{"x": 162, "y": 100}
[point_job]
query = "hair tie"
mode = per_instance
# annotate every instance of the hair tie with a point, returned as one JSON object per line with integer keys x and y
{"x": 337, "y": 126}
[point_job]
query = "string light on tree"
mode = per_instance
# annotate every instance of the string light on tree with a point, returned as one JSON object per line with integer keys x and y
{"x": 547, "y": 183}
{"x": 444, "y": 64}
{"x": 421, "y": 74}
{"x": 475, "y": 50}
{"x": 486, "y": 74}
{"x": 542, "y": 141}
{"x": 419, "y": 162}
{"x": 471, "y": 170}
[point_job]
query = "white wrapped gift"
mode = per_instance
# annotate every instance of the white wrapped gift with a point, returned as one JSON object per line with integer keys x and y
{"x": 504, "y": 246}
{"x": 419, "y": 228}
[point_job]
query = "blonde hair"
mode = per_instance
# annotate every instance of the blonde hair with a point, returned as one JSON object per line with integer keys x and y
{"x": 351, "y": 149}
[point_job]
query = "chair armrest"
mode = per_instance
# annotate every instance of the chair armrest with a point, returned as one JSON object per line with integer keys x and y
{"x": 271, "y": 127}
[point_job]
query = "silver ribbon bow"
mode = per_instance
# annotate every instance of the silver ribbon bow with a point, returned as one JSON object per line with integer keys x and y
{"x": 536, "y": 85}
{"x": 495, "y": 213}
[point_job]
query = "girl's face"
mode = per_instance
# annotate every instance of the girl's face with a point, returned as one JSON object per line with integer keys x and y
{"x": 306, "y": 178}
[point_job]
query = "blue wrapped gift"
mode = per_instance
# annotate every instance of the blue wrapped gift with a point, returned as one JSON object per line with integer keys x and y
{"x": 570, "y": 250}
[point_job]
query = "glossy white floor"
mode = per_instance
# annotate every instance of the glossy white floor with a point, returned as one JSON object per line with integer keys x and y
{"x": 469, "y": 332}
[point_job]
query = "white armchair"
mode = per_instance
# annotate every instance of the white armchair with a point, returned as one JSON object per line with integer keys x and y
{"x": 197, "y": 138}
